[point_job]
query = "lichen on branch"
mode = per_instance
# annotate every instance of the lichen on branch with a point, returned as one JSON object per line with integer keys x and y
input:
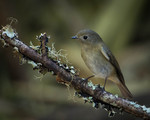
{"x": 47, "y": 59}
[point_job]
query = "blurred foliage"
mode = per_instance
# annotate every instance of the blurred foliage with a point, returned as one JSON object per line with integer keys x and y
{"x": 123, "y": 25}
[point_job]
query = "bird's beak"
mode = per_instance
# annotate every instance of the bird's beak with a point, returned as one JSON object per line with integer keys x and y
{"x": 74, "y": 37}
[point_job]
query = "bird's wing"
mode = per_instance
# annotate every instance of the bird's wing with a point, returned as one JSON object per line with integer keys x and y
{"x": 109, "y": 56}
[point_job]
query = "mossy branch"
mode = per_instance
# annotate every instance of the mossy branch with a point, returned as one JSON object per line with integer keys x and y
{"x": 67, "y": 75}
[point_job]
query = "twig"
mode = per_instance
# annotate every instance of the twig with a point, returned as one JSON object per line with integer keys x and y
{"x": 88, "y": 91}
{"x": 44, "y": 40}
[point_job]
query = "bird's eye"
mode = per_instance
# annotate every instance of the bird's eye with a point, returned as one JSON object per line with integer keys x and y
{"x": 85, "y": 37}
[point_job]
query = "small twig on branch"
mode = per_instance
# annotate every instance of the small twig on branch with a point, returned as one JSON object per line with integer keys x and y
{"x": 65, "y": 74}
{"x": 44, "y": 40}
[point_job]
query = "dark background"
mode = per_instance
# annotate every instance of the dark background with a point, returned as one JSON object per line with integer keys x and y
{"x": 124, "y": 26}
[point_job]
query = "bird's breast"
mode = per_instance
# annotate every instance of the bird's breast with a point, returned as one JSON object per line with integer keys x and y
{"x": 96, "y": 62}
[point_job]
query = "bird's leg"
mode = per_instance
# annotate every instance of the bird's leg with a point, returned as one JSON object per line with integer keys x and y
{"x": 86, "y": 79}
{"x": 105, "y": 83}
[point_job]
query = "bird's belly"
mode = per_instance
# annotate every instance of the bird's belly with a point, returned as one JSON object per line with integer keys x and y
{"x": 98, "y": 65}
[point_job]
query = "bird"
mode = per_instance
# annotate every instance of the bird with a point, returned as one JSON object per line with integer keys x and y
{"x": 100, "y": 60}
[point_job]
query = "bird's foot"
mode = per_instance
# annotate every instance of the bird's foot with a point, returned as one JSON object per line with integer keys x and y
{"x": 103, "y": 88}
{"x": 86, "y": 79}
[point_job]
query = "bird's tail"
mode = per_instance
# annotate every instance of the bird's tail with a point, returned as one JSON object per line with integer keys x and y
{"x": 125, "y": 91}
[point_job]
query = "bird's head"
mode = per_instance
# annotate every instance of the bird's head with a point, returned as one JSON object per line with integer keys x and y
{"x": 87, "y": 36}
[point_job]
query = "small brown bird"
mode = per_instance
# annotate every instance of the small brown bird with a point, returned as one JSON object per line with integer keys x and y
{"x": 100, "y": 60}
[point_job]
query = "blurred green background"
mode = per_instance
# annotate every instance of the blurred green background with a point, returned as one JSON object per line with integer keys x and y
{"x": 124, "y": 25}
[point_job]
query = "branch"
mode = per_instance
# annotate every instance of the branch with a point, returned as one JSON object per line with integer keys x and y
{"x": 64, "y": 75}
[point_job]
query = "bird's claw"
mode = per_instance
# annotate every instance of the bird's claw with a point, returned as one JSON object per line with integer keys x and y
{"x": 86, "y": 79}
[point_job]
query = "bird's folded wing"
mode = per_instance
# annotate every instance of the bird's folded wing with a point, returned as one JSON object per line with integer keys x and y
{"x": 109, "y": 56}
